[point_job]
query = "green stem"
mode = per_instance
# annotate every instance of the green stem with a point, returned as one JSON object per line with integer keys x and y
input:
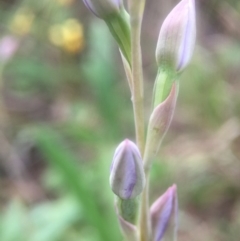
{"x": 144, "y": 223}
{"x": 120, "y": 30}
{"x": 163, "y": 85}
{"x": 136, "y": 8}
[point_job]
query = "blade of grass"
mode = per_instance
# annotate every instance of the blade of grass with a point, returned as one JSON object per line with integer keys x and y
{"x": 56, "y": 153}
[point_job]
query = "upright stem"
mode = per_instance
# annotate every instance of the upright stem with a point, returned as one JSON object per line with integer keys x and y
{"x": 144, "y": 222}
{"x": 136, "y": 8}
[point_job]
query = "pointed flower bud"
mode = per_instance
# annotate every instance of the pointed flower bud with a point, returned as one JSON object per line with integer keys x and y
{"x": 103, "y": 8}
{"x": 159, "y": 123}
{"x": 177, "y": 36}
{"x": 127, "y": 178}
{"x": 164, "y": 215}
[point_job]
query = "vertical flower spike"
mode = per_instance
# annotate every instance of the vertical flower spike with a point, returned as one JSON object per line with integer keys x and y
{"x": 177, "y": 36}
{"x": 127, "y": 178}
{"x": 117, "y": 20}
{"x": 164, "y": 215}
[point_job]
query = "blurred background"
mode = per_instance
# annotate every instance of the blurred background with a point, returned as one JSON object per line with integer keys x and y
{"x": 65, "y": 106}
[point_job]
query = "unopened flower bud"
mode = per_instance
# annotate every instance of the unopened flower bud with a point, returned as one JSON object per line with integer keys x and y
{"x": 127, "y": 178}
{"x": 103, "y": 8}
{"x": 164, "y": 215}
{"x": 177, "y": 37}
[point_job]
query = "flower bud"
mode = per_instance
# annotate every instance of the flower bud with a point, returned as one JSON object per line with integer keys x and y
{"x": 177, "y": 36}
{"x": 164, "y": 215}
{"x": 103, "y": 8}
{"x": 127, "y": 178}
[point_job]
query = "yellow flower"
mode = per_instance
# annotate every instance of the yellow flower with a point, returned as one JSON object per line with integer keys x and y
{"x": 22, "y": 21}
{"x": 55, "y": 35}
{"x": 68, "y": 36}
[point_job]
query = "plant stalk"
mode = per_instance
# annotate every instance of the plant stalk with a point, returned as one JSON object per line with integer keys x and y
{"x": 136, "y": 8}
{"x": 144, "y": 221}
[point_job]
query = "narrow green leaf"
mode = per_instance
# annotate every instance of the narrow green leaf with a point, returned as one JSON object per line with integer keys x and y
{"x": 56, "y": 154}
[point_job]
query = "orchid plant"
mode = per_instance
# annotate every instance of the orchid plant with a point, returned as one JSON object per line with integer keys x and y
{"x": 131, "y": 165}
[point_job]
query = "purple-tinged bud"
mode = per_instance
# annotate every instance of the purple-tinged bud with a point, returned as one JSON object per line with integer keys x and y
{"x": 159, "y": 123}
{"x": 177, "y": 36}
{"x": 103, "y": 8}
{"x": 127, "y": 178}
{"x": 164, "y": 215}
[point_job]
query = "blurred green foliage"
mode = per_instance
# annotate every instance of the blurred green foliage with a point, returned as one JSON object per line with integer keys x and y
{"x": 65, "y": 106}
